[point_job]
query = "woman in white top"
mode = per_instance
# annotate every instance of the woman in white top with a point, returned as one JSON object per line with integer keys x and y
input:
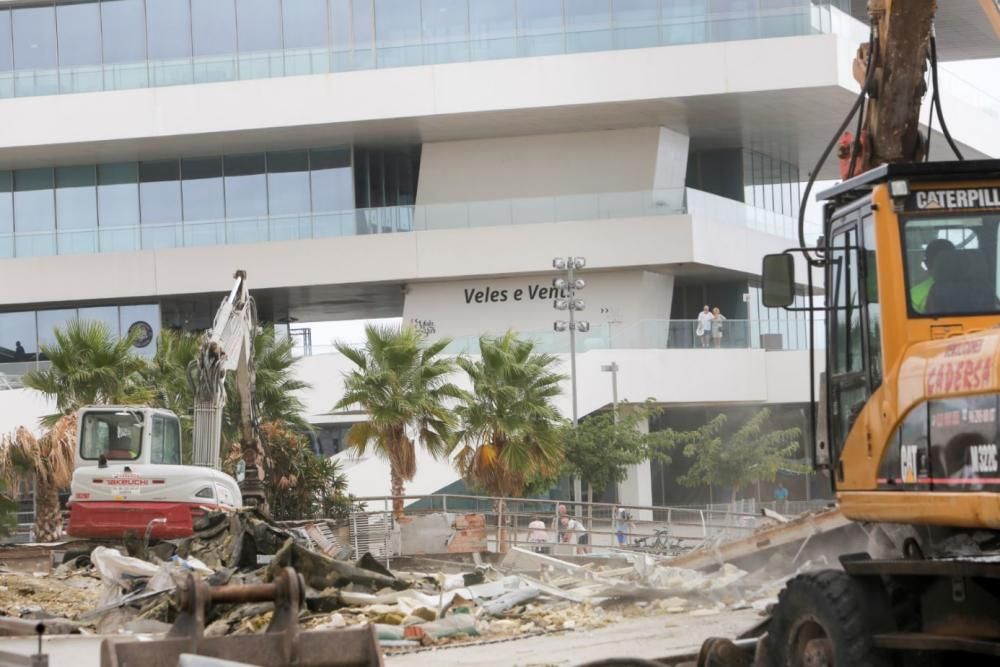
{"x": 717, "y": 319}
{"x": 538, "y": 536}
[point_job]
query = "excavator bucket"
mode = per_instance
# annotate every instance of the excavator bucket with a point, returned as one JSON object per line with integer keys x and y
{"x": 282, "y": 643}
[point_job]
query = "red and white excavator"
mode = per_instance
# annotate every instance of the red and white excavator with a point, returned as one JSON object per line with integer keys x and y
{"x": 128, "y": 458}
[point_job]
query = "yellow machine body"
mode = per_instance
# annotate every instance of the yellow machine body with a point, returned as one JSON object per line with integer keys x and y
{"x": 912, "y": 413}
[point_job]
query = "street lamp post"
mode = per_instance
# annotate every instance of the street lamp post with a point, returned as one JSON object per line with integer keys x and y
{"x": 568, "y": 301}
{"x": 568, "y": 287}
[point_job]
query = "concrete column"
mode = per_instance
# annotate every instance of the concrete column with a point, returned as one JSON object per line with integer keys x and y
{"x": 637, "y": 489}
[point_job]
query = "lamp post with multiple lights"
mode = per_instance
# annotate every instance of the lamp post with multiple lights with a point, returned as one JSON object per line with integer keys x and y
{"x": 568, "y": 287}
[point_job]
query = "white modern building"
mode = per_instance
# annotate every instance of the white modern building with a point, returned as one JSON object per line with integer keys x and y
{"x": 427, "y": 160}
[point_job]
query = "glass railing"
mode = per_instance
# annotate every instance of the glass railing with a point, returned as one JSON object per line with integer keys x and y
{"x": 735, "y": 334}
{"x": 660, "y": 29}
{"x": 393, "y": 219}
{"x": 384, "y": 220}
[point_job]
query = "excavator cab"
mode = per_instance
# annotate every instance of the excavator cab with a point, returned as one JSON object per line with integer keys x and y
{"x": 911, "y": 271}
{"x": 118, "y": 434}
{"x": 907, "y": 423}
{"x": 129, "y": 473}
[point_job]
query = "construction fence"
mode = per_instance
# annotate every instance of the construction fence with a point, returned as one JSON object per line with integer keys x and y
{"x": 449, "y": 523}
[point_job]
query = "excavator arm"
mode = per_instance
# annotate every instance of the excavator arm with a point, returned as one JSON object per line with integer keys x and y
{"x": 226, "y": 347}
{"x": 893, "y": 65}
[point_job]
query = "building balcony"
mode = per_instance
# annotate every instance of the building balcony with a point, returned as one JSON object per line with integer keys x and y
{"x": 771, "y": 335}
{"x": 395, "y": 219}
{"x": 171, "y": 43}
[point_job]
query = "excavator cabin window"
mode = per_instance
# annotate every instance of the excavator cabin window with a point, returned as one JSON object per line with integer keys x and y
{"x": 951, "y": 265}
{"x": 165, "y": 445}
{"x": 115, "y": 435}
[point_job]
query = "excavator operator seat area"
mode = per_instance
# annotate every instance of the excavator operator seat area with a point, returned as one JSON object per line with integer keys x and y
{"x": 125, "y": 435}
{"x": 115, "y": 435}
{"x": 951, "y": 265}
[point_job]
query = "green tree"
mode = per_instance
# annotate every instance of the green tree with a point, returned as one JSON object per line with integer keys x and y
{"x": 510, "y": 430}
{"x": 401, "y": 381}
{"x": 300, "y": 485}
{"x": 601, "y": 448}
{"x": 8, "y": 511}
{"x": 89, "y": 365}
{"x": 753, "y": 453}
{"x": 277, "y": 389}
{"x": 167, "y": 376}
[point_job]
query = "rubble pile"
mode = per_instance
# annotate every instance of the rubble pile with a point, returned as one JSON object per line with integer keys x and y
{"x": 129, "y": 588}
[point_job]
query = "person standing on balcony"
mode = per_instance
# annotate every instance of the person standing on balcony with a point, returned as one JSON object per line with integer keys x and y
{"x": 704, "y": 329}
{"x": 717, "y": 320}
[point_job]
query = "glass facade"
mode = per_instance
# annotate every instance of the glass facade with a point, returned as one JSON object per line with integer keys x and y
{"x": 198, "y": 201}
{"x": 770, "y": 183}
{"x": 23, "y": 333}
{"x": 74, "y": 46}
{"x": 786, "y": 329}
{"x": 754, "y": 178}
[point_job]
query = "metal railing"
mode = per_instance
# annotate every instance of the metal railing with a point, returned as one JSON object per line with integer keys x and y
{"x": 659, "y": 530}
{"x": 8, "y": 382}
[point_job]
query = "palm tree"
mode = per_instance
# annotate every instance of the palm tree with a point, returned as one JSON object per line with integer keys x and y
{"x": 276, "y": 386}
{"x": 401, "y": 382}
{"x": 167, "y": 376}
{"x": 48, "y": 462}
{"x": 89, "y": 365}
{"x": 510, "y": 438}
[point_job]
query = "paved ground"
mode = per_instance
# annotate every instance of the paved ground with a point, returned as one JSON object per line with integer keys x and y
{"x": 649, "y": 637}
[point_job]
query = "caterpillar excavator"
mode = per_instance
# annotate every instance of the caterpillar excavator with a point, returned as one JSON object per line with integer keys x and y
{"x": 906, "y": 422}
{"x": 128, "y": 474}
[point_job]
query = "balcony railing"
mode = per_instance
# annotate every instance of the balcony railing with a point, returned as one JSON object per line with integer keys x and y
{"x": 736, "y": 334}
{"x": 385, "y": 220}
{"x": 800, "y": 17}
{"x": 393, "y": 219}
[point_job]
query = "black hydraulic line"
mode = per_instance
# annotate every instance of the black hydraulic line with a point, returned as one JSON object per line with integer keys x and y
{"x": 870, "y": 70}
{"x": 930, "y": 127}
{"x": 856, "y": 144}
{"x": 936, "y": 99}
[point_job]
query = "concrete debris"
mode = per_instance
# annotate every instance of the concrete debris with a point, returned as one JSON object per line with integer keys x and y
{"x": 134, "y": 591}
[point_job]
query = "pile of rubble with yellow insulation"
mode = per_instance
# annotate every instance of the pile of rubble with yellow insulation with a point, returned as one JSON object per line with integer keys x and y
{"x": 130, "y": 589}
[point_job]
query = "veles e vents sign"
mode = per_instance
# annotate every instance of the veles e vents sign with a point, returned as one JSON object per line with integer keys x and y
{"x": 955, "y": 198}
{"x": 529, "y": 293}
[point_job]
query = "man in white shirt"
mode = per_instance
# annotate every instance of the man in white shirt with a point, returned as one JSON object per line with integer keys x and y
{"x": 574, "y": 531}
{"x": 704, "y": 330}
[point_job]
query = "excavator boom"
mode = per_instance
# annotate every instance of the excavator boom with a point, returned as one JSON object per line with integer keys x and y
{"x": 902, "y": 31}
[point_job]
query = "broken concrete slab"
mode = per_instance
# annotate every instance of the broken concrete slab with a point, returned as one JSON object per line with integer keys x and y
{"x": 797, "y": 530}
{"x": 321, "y": 572}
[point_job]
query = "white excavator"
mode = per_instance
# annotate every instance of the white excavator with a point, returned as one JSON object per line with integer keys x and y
{"x": 129, "y": 475}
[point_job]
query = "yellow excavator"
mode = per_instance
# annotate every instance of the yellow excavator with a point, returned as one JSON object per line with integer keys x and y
{"x": 906, "y": 423}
